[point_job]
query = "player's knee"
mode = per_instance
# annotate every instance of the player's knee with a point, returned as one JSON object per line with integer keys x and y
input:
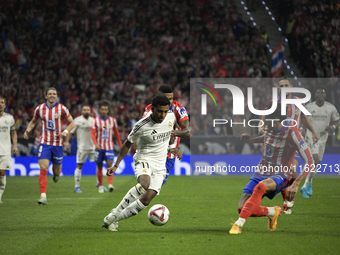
{"x": 43, "y": 167}
{"x": 260, "y": 188}
{"x": 144, "y": 181}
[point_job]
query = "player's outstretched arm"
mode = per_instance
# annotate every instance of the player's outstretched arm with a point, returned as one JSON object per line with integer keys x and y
{"x": 247, "y": 139}
{"x": 260, "y": 127}
{"x": 69, "y": 127}
{"x": 306, "y": 155}
{"x": 30, "y": 126}
{"x": 333, "y": 127}
{"x": 185, "y": 131}
{"x": 122, "y": 153}
{"x": 292, "y": 189}
{"x": 176, "y": 152}
{"x": 305, "y": 121}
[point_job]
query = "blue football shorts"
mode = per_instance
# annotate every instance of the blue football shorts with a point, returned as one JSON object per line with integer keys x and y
{"x": 280, "y": 180}
{"x": 102, "y": 155}
{"x": 52, "y": 153}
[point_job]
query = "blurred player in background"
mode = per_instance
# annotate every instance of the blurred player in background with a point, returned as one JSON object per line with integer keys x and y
{"x": 52, "y": 115}
{"x": 181, "y": 128}
{"x": 152, "y": 135}
{"x": 101, "y": 133}
{"x": 295, "y": 117}
{"x": 274, "y": 170}
{"x": 325, "y": 119}
{"x": 85, "y": 146}
{"x": 7, "y": 130}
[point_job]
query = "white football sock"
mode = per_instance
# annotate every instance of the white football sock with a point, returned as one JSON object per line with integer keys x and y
{"x": 132, "y": 210}
{"x": 43, "y": 195}
{"x": 271, "y": 211}
{"x": 240, "y": 221}
{"x": 132, "y": 195}
{"x": 2, "y": 185}
{"x": 311, "y": 175}
{"x": 77, "y": 177}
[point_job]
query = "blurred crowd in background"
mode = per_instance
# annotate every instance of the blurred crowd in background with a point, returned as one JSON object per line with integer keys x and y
{"x": 95, "y": 51}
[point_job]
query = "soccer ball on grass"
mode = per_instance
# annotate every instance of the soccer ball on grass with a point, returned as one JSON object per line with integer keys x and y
{"x": 159, "y": 215}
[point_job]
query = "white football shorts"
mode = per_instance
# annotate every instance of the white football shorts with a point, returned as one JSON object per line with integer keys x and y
{"x": 156, "y": 175}
{"x": 83, "y": 155}
{"x": 5, "y": 162}
{"x": 318, "y": 149}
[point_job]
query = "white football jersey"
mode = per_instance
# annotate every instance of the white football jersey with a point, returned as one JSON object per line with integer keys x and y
{"x": 152, "y": 139}
{"x": 6, "y": 126}
{"x": 320, "y": 118}
{"x": 83, "y": 132}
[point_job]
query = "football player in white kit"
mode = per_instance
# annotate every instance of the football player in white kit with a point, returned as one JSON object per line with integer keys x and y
{"x": 325, "y": 119}
{"x": 6, "y": 131}
{"x": 85, "y": 146}
{"x": 152, "y": 137}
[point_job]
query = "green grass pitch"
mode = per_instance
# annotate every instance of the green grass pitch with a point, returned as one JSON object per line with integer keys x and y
{"x": 201, "y": 212}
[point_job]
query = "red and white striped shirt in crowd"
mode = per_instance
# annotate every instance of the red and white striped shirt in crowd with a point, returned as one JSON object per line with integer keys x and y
{"x": 51, "y": 122}
{"x": 279, "y": 152}
{"x": 181, "y": 115}
{"x": 101, "y": 133}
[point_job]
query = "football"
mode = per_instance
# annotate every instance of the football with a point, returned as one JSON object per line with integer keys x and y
{"x": 159, "y": 215}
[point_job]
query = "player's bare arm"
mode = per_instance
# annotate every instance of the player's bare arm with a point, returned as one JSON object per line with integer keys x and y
{"x": 69, "y": 127}
{"x": 333, "y": 127}
{"x": 67, "y": 141}
{"x": 305, "y": 121}
{"x": 30, "y": 127}
{"x": 292, "y": 189}
{"x": 260, "y": 128}
{"x": 247, "y": 139}
{"x": 176, "y": 152}
{"x": 184, "y": 132}
{"x": 122, "y": 153}
{"x": 15, "y": 141}
{"x": 94, "y": 140}
{"x": 173, "y": 149}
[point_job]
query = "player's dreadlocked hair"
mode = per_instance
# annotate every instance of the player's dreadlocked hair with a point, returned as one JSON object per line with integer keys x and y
{"x": 160, "y": 100}
{"x": 165, "y": 88}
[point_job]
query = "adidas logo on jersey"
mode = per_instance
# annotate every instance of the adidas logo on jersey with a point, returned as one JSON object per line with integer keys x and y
{"x": 153, "y": 132}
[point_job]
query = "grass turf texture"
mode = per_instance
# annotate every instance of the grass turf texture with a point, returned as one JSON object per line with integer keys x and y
{"x": 201, "y": 210}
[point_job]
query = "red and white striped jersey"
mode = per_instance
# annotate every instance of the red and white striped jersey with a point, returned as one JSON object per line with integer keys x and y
{"x": 102, "y": 131}
{"x": 279, "y": 152}
{"x": 294, "y": 113}
{"x": 180, "y": 114}
{"x": 51, "y": 122}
